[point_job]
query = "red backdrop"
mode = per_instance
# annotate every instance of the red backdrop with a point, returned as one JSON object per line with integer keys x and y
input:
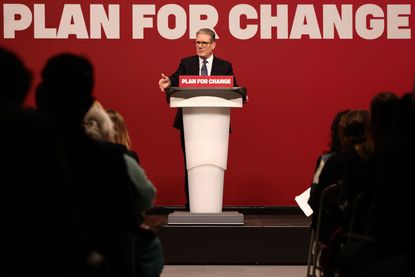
{"x": 295, "y": 86}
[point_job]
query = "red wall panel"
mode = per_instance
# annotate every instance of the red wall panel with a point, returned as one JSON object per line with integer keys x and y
{"x": 295, "y": 87}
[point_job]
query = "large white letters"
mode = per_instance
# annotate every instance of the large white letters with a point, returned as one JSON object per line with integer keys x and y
{"x": 375, "y": 15}
{"x": 72, "y": 13}
{"x": 245, "y": 21}
{"x": 179, "y": 15}
{"x": 305, "y": 23}
{"x": 235, "y": 21}
{"x": 110, "y": 23}
{"x": 398, "y": 26}
{"x": 18, "y": 17}
{"x": 40, "y": 25}
{"x": 172, "y": 20}
{"x": 279, "y": 21}
{"x": 196, "y": 20}
{"x": 343, "y": 22}
{"x": 142, "y": 20}
{"x": 12, "y": 23}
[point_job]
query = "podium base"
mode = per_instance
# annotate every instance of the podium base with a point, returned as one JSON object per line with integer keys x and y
{"x": 223, "y": 218}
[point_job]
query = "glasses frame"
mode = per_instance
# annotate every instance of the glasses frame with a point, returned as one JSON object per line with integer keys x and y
{"x": 203, "y": 43}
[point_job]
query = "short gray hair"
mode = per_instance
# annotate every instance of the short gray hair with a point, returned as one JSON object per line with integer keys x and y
{"x": 98, "y": 124}
{"x": 207, "y": 31}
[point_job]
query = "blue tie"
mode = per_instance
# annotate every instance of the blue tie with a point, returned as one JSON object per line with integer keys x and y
{"x": 203, "y": 71}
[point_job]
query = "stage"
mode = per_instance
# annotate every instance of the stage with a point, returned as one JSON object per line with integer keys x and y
{"x": 270, "y": 235}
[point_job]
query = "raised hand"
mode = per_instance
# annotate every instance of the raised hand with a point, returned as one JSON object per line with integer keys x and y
{"x": 164, "y": 82}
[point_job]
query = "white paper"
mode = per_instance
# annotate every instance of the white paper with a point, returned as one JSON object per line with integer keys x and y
{"x": 302, "y": 201}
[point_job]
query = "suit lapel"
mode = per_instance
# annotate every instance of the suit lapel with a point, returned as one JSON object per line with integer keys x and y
{"x": 195, "y": 66}
{"x": 217, "y": 67}
{"x": 214, "y": 67}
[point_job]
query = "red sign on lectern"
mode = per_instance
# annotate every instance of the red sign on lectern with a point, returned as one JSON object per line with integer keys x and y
{"x": 206, "y": 81}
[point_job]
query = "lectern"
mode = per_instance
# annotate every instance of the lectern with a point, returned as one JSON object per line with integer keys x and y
{"x": 206, "y": 121}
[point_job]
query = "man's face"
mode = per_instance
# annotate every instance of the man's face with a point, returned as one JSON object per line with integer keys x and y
{"x": 204, "y": 46}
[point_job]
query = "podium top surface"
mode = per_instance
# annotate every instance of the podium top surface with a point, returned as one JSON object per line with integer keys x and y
{"x": 225, "y": 93}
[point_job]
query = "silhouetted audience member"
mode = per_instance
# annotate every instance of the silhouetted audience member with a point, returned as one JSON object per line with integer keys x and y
{"x": 352, "y": 135}
{"x": 148, "y": 258}
{"x": 335, "y": 147}
{"x": 351, "y": 132}
{"x": 394, "y": 190}
{"x": 386, "y": 247}
{"x": 15, "y": 81}
{"x": 357, "y": 151}
{"x": 39, "y": 234}
{"x": 101, "y": 185}
{"x": 121, "y": 133}
{"x": 383, "y": 119}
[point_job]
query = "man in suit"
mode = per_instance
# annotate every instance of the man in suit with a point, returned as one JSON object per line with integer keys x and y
{"x": 204, "y": 63}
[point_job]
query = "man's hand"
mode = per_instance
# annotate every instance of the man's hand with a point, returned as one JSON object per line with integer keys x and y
{"x": 164, "y": 82}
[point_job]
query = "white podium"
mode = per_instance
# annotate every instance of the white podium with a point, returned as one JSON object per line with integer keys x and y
{"x": 206, "y": 121}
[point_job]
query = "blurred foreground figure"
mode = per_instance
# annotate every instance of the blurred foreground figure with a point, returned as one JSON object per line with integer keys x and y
{"x": 40, "y": 235}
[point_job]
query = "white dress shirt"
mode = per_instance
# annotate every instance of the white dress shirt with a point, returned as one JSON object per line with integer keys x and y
{"x": 208, "y": 64}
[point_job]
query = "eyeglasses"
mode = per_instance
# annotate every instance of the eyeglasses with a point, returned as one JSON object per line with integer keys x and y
{"x": 202, "y": 43}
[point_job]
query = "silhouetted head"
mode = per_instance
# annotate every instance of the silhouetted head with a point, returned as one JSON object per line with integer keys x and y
{"x": 65, "y": 91}
{"x": 334, "y": 131}
{"x": 383, "y": 118}
{"x": 353, "y": 129}
{"x": 406, "y": 117}
{"x": 15, "y": 79}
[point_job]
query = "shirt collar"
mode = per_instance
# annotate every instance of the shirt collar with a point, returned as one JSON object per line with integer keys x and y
{"x": 209, "y": 60}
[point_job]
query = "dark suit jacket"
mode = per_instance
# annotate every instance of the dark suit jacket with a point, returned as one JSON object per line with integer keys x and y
{"x": 190, "y": 66}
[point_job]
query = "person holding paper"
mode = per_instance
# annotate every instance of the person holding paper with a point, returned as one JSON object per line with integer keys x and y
{"x": 203, "y": 63}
